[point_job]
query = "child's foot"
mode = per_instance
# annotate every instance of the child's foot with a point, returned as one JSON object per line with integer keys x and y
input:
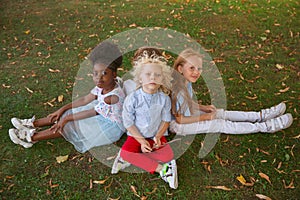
{"x": 21, "y": 137}
{"x": 279, "y": 123}
{"x": 273, "y": 112}
{"x": 169, "y": 174}
{"x": 23, "y": 123}
{"x": 119, "y": 164}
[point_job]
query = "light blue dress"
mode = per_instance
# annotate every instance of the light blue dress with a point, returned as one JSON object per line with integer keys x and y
{"x": 102, "y": 129}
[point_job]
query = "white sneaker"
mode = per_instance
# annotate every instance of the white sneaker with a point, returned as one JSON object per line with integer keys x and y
{"x": 279, "y": 123}
{"x": 169, "y": 174}
{"x": 18, "y": 137}
{"x": 119, "y": 164}
{"x": 23, "y": 123}
{"x": 273, "y": 112}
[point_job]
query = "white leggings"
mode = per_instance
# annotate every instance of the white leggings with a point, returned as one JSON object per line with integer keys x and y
{"x": 229, "y": 122}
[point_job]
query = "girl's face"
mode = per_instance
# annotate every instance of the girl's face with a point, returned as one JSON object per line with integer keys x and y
{"x": 192, "y": 69}
{"x": 151, "y": 77}
{"x": 103, "y": 77}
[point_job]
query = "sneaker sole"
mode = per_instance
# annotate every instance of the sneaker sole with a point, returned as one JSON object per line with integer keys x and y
{"x": 174, "y": 166}
{"x": 14, "y": 138}
{"x": 290, "y": 122}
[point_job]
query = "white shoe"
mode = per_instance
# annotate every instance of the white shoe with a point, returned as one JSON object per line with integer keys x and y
{"x": 119, "y": 164}
{"x": 273, "y": 112}
{"x": 23, "y": 123}
{"x": 169, "y": 174}
{"x": 18, "y": 137}
{"x": 279, "y": 123}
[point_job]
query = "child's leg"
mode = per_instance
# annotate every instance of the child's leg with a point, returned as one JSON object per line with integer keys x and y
{"x": 45, "y": 135}
{"x": 238, "y": 116}
{"x": 31, "y": 123}
{"x": 218, "y": 126}
{"x": 131, "y": 152}
{"x": 42, "y": 122}
{"x": 252, "y": 116}
{"x": 164, "y": 154}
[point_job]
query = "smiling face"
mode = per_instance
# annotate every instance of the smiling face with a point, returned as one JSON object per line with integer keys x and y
{"x": 103, "y": 77}
{"x": 191, "y": 69}
{"x": 151, "y": 77}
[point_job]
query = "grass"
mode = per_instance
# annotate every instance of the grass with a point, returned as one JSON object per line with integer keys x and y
{"x": 249, "y": 40}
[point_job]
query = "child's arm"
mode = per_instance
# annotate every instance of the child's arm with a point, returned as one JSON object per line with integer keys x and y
{"x": 181, "y": 119}
{"x": 72, "y": 117}
{"x": 145, "y": 146}
{"x": 77, "y": 103}
{"x": 204, "y": 108}
{"x": 162, "y": 129}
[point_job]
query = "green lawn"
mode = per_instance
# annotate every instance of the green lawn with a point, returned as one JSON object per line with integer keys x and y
{"x": 255, "y": 45}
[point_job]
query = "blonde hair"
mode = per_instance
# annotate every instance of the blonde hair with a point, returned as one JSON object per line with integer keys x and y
{"x": 149, "y": 49}
{"x": 179, "y": 83}
{"x": 146, "y": 58}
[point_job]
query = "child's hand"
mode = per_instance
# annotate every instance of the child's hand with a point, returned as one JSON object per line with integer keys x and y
{"x": 208, "y": 108}
{"x": 157, "y": 143}
{"x": 55, "y": 116}
{"x": 58, "y": 127}
{"x": 145, "y": 147}
{"x": 208, "y": 116}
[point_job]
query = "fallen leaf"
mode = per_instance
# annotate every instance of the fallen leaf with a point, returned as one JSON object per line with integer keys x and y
{"x": 61, "y": 159}
{"x": 110, "y": 158}
{"x": 252, "y": 98}
{"x": 261, "y": 196}
{"x": 170, "y": 36}
{"x": 54, "y": 70}
{"x": 153, "y": 191}
{"x": 134, "y": 190}
{"x": 6, "y": 86}
{"x": 279, "y": 66}
{"x": 284, "y": 90}
{"x": 29, "y": 90}
{"x": 91, "y": 183}
{"x": 219, "y": 188}
{"x": 100, "y": 182}
{"x": 113, "y": 198}
{"x": 297, "y": 137}
{"x": 108, "y": 186}
{"x": 132, "y": 25}
{"x": 290, "y": 186}
{"x": 60, "y": 98}
{"x": 243, "y": 181}
{"x": 27, "y": 32}
{"x": 264, "y": 176}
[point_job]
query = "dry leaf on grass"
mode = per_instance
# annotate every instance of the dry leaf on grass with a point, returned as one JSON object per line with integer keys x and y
{"x": 61, "y": 159}
{"x": 261, "y": 196}
{"x": 219, "y": 187}
{"x": 54, "y": 70}
{"x": 243, "y": 181}
{"x": 100, "y": 182}
{"x": 29, "y": 90}
{"x": 133, "y": 189}
{"x": 60, "y": 98}
{"x": 290, "y": 186}
{"x": 264, "y": 176}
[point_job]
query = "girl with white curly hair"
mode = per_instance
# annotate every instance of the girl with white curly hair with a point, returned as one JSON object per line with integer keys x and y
{"x": 146, "y": 116}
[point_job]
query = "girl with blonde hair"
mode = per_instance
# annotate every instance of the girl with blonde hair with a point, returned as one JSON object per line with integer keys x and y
{"x": 193, "y": 118}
